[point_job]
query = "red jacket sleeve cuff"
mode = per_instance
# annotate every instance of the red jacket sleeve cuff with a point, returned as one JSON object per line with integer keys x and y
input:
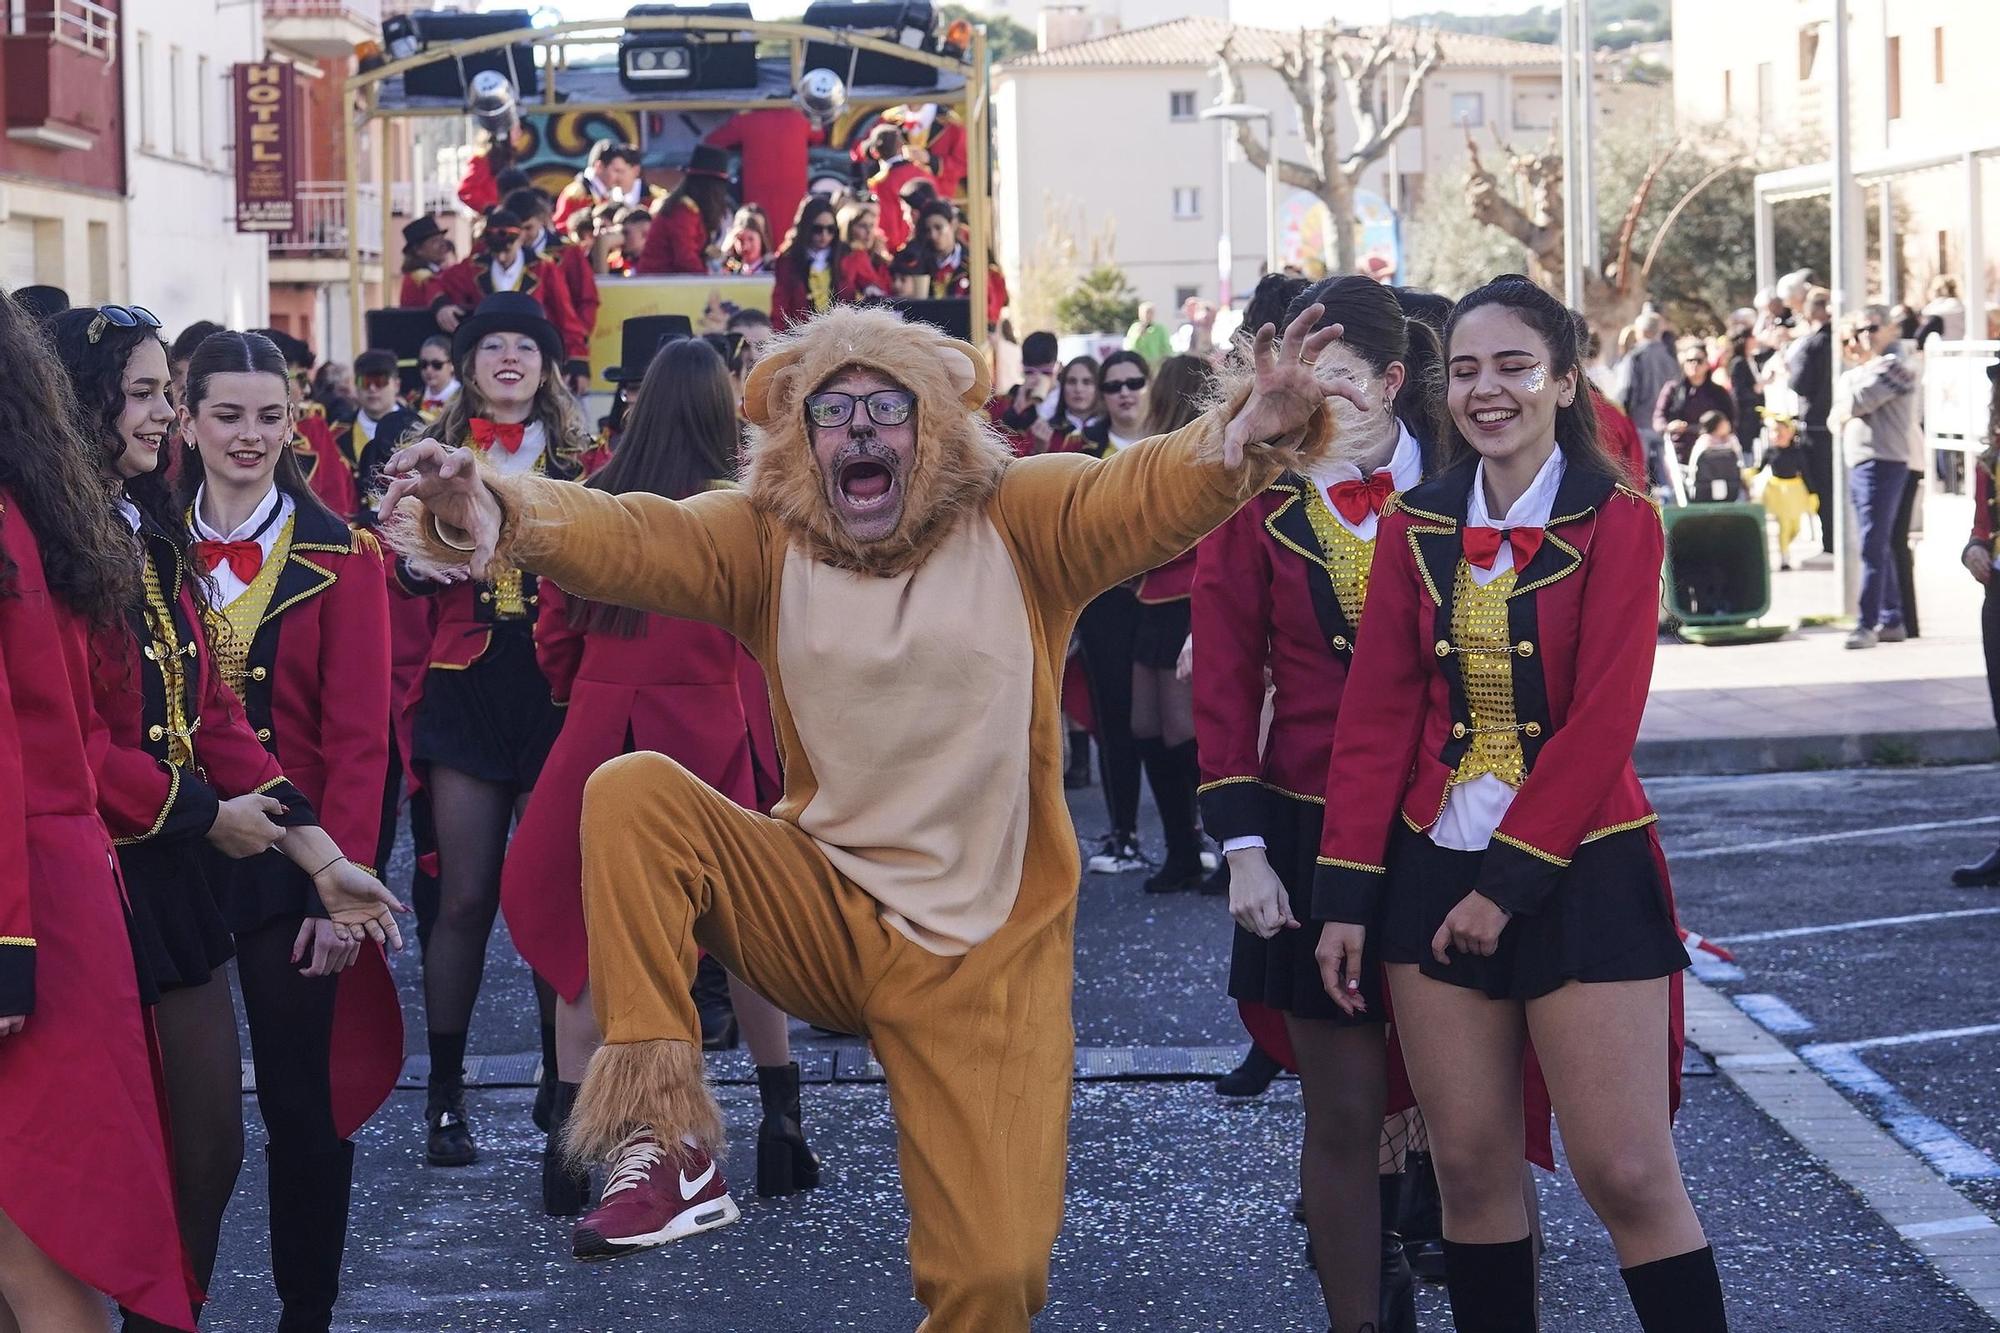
{"x": 1234, "y": 808}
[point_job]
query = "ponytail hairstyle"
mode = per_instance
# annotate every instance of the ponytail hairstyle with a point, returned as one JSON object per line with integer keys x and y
{"x": 1576, "y": 425}
{"x": 1421, "y": 405}
{"x": 233, "y": 353}
{"x": 1374, "y": 328}
{"x": 97, "y": 380}
{"x": 53, "y": 471}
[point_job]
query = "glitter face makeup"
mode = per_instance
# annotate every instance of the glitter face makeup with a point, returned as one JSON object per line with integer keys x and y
{"x": 1535, "y": 378}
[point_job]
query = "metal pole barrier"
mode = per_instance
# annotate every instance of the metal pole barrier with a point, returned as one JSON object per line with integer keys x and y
{"x": 1572, "y": 232}
{"x": 1846, "y": 551}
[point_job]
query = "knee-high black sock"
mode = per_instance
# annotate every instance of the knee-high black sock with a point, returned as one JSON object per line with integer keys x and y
{"x": 1492, "y": 1287}
{"x": 1682, "y": 1294}
{"x": 1172, "y": 772}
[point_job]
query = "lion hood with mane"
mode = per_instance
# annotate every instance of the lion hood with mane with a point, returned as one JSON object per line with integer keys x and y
{"x": 959, "y": 458}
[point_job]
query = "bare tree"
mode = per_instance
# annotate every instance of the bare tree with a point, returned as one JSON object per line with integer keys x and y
{"x": 1324, "y": 72}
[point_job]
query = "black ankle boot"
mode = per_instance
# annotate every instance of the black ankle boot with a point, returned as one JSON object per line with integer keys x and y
{"x": 308, "y": 1194}
{"x": 1492, "y": 1287}
{"x": 711, "y": 1004}
{"x": 1250, "y": 1078}
{"x": 1678, "y": 1295}
{"x": 448, "y": 1140}
{"x": 545, "y": 1088}
{"x": 785, "y": 1165}
{"x": 565, "y": 1189}
{"x": 1398, "y": 1312}
{"x": 1980, "y": 875}
{"x": 1421, "y": 1219}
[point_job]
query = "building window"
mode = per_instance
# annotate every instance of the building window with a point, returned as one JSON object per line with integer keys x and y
{"x": 1468, "y": 109}
{"x": 1893, "y": 73}
{"x": 1180, "y": 106}
{"x": 1808, "y": 51}
{"x": 97, "y": 236}
{"x": 1766, "y": 96}
{"x": 204, "y": 86}
{"x": 1937, "y": 56}
{"x": 1187, "y": 202}
{"x": 1182, "y": 295}
{"x": 176, "y": 94}
{"x": 142, "y": 61}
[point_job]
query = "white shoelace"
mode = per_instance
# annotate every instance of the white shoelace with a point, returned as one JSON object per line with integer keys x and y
{"x": 637, "y": 1155}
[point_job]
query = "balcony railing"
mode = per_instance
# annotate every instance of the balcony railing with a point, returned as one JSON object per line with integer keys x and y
{"x": 365, "y": 12}
{"x": 79, "y": 24}
{"x": 320, "y": 227}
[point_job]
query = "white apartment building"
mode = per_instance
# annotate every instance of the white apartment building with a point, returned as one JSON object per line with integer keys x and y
{"x": 1105, "y": 132}
{"x": 1916, "y": 84}
{"x": 185, "y": 260}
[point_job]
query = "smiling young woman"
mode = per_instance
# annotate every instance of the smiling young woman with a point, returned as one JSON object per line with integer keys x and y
{"x": 484, "y": 716}
{"x": 1486, "y": 838}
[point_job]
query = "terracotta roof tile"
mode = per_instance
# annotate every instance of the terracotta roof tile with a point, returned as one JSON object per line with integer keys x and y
{"x": 1194, "y": 41}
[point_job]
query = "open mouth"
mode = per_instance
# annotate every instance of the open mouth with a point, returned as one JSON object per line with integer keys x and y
{"x": 151, "y": 439}
{"x": 1494, "y": 418}
{"x": 509, "y": 376}
{"x": 866, "y": 484}
{"x": 245, "y": 457}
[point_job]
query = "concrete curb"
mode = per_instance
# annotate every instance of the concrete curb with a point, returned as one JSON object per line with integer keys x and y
{"x": 1715, "y": 755}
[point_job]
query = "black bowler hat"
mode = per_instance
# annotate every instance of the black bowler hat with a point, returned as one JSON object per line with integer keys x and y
{"x": 41, "y": 301}
{"x": 708, "y": 160}
{"x": 416, "y": 232}
{"x": 508, "y": 312}
{"x": 641, "y": 340}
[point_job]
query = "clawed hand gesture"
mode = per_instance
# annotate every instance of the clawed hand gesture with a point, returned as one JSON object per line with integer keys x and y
{"x": 1285, "y": 393}
{"x": 446, "y": 481}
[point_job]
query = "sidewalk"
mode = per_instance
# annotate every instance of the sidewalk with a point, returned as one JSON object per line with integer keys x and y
{"x": 1806, "y": 701}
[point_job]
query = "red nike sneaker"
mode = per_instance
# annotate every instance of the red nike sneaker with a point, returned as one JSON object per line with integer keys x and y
{"x": 651, "y": 1197}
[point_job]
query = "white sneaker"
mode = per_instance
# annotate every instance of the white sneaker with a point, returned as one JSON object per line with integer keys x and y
{"x": 1118, "y": 855}
{"x": 1864, "y": 636}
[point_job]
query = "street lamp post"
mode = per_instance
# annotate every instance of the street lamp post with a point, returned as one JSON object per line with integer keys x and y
{"x": 1242, "y": 111}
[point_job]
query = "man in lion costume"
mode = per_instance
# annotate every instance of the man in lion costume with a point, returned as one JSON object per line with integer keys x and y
{"x": 909, "y": 589}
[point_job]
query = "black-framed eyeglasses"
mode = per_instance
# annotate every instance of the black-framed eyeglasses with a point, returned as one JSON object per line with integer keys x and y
{"x": 121, "y": 317}
{"x": 435, "y": 365}
{"x": 1134, "y": 384}
{"x": 886, "y": 407}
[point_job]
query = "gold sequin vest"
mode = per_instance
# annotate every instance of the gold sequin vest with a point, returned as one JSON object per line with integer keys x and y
{"x": 1347, "y": 556}
{"x": 1486, "y": 664}
{"x": 233, "y": 628}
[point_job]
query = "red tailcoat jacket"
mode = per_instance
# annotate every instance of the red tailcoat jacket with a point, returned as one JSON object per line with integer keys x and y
{"x": 946, "y": 147}
{"x": 675, "y": 687}
{"x": 419, "y": 288}
{"x": 325, "y": 467}
{"x": 78, "y": 1103}
{"x": 579, "y": 282}
{"x": 774, "y": 142}
{"x": 470, "y": 280}
{"x": 866, "y": 275}
{"x": 478, "y": 190}
{"x": 894, "y": 221}
{"x": 791, "y": 298}
{"x": 677, "y": 242}
{"x": 1985, "y": 501}
{"x": 316, "y": 693}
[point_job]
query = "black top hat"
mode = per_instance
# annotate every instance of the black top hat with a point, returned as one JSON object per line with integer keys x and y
{"x": 708, "y": 160}
{"x": 41, "y": 301}
{"x": 508, "y": 312}
{"x": 419, "y": 230}
{"x": 643, "y": 336}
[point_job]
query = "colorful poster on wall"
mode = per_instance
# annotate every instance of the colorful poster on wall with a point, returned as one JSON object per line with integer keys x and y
{"x": 1305, "y": 235}
{"x": 267, "y": 152}
{"x": 708, "y": 302}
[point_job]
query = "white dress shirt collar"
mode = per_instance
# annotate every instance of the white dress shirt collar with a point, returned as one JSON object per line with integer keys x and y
{"x": 1532, "y": 510}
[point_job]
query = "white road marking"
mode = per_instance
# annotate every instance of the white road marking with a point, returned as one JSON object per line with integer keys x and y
{"x": 1773, "y": 1014}
{"x": 1950, "y": 1226}
{"x": 1866, "y": 923}
{"x": 1910, "y": 1038}
{"x": 1949, "y": 1155}
{"x": 1845, "y": 835}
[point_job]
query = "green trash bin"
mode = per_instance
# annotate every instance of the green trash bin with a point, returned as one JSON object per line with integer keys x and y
{"x": 1717, "y": 583}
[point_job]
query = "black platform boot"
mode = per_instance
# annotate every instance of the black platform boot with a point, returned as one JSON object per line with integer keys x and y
{"x": 565, "y": 1190}
{"x": 711, "y": 1004}
{"x": 1421, "y": 1219}
{"x": 448, "y": 1139}
{"x": 1980, "y": 875}
{"x": 545, "y": 1088}
{"x": 308, "y": 1194}
{"x": 1678, "y": 1295}
{"x": 785, "y": 1165}
{"x": 1399, "y": 1285}
{"x": 1250, "y": 1078}
{"x": 1492, "y": 1287}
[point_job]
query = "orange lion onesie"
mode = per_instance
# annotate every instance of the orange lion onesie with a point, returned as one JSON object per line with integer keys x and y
{"x": 917, "y": 883}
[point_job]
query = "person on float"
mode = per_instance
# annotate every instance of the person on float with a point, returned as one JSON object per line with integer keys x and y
{"x": 634, "y": 226}
{"x": 936, "y": 139}
{"x": 1027, "y": 416}
{"x": 1522, "y": 894}
{"x": 378, "y": 428}
{"x": 1105, "y": 632}
{"x": 630, "y": 681}
{"x": 504, "y": 264}
{"x": 614, "y": 173}
{"x": 481, "y": 188}
{"x": 884, "y": 546}
{"x": 893, "y": 170}
{"x": 682, "y": 238}
{"x": 81, "y": 1102}
{"x": 1278, "y": 595}
{"x": 439, "y": 375}
{"x": 426, "y": 250}
{"x": 744, "y": 250}
{"x": 773, "y": 142}
{"x": 319, "y": 457}
{"x": 865, "y": 266}
{"x": 1980, "y": 557}
{"x": 182, "y": 772}
{"x": 939, "y": 260}
{"x": 299, "y": 616}
{"x": 810, "y": 272}
{"x": 483, "y": 718}
{"x": 543, "y": 242}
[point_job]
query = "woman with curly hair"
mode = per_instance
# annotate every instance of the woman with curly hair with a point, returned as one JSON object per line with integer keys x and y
{"x": 81, "y": 1102}
{"x": 484, "y": 716}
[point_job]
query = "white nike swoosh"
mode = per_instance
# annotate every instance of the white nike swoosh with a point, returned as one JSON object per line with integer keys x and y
{"x": 690, "y": 1188}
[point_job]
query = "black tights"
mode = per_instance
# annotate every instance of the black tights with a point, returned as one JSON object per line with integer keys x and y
{"x": 202, "y": 1069}
{"x": 290, "y": 1016}
{"x": 1343, "y": 1075}
{"x": 472, "y": 817}
{"x": 1105, "y": 630}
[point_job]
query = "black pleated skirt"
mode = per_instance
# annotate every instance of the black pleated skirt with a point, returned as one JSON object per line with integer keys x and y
{"x": 494, "y": 720}
{"x": 1162, "y": 629}
{"x": 258, "y": 890}
{"x": 179, "y": 934}
{"x": 1282, "y": 972}
{"x": 1607, "y": 920}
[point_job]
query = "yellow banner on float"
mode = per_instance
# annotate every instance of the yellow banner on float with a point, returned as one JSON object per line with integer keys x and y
{"x": 707, "y": 301}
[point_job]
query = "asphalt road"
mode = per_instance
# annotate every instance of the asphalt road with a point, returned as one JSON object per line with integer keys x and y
{"x": 1179, "y": 1203}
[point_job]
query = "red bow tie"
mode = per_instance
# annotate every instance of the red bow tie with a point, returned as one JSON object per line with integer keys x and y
{"x": 506, "y": 434}
{"x": 1356, "y": 500}
{"x": 245, "y": 558}
{"x": 1482, "y": 545}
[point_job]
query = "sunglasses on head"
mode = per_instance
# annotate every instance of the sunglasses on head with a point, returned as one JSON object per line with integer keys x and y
{"x": 1133, "y": 385}
{"x": 123, "y": 317}
{"x": 374, "y": 381}
{"x": 886, "y": 407}
{"x": 429, "y": 364}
